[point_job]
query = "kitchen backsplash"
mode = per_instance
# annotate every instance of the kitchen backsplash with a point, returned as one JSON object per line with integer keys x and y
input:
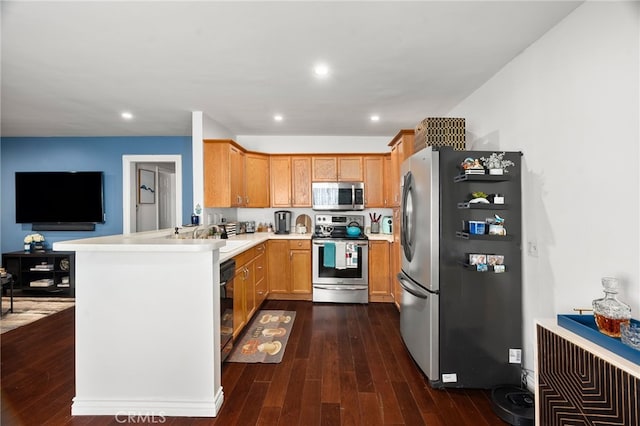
{"x": 266, "y": 215}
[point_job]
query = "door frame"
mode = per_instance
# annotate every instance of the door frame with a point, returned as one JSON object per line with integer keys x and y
{"x": 128, "y": 178}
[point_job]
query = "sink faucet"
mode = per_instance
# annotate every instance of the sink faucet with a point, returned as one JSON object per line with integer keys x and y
{"x": 200, "y": 228}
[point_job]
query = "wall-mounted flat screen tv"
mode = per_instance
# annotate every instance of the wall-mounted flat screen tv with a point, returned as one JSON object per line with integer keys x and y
{"x": 60, "y": 200}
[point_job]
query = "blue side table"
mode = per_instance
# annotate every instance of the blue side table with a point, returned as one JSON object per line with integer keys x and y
{"x": 7, "y": 282}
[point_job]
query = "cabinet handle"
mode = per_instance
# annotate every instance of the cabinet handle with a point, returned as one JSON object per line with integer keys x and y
{"x": 246, "y": 200}
{"x": 259, "y": 267}
{"x": 290, "y": 255}
{"x": 299, "y": 243}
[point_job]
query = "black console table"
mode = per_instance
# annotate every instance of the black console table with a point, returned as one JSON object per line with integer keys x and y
{"x": 47, "y": 273}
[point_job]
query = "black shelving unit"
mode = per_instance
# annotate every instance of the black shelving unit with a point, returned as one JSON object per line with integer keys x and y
{"x": 26, "y": 269}
{"x": 480, "y": 310}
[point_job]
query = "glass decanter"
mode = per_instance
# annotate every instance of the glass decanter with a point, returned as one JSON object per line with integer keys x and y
{"x": 609, "y": 312}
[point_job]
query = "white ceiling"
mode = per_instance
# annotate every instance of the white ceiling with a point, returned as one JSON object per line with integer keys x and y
{"x": 70, "y": 68}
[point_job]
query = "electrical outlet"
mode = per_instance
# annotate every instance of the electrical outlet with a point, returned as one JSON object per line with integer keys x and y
{"x": 515, "y": 356}
{"x": 532, "y": 248}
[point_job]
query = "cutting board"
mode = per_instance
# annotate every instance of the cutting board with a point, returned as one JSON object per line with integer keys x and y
{"x": 305, "y": 220}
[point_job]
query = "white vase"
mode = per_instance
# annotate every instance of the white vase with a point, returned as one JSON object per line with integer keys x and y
{"x": 27, "y": 247}
{"x": 495, "y": 171}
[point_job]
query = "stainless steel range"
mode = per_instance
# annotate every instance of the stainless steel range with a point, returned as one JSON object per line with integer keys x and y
{"x": 339, "y": 260}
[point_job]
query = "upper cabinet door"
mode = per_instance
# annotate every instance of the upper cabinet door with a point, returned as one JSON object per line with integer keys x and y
{"x": 350, "y": 169}
{"x": 257, "y": 180}
{"x": 325, "y": 169}
{"x": 300, "y": 181}
{"x": 374, "y": 190}
{"x": 238, "y": 190}
{"x": 344, "y": 168}
{"x": 280, "y": 181}
{"x": 217, "y": 174}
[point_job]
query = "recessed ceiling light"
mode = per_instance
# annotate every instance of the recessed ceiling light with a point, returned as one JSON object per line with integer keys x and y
{"x": 278, "y": 117}
{"x": 126, "y": 115}
{"x": 321, "y": 70}
{"x": 375, "y": 118}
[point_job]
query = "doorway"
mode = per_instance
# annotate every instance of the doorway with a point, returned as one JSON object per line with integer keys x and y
{"x": 161, "y": 207}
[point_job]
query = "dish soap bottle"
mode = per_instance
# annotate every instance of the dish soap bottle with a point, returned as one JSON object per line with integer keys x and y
{"x": 609, "y": 312}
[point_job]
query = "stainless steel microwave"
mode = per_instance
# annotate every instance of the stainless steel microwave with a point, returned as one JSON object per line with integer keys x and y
{"x": 338, "y": 195}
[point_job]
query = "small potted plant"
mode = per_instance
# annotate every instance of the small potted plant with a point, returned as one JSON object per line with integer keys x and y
{"x": 496, "y": 163}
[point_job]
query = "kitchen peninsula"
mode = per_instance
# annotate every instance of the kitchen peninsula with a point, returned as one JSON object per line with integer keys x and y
{"x": 147, "y": 320}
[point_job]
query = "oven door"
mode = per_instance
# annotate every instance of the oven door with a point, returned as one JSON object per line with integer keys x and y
{"x": 357, "y": 275}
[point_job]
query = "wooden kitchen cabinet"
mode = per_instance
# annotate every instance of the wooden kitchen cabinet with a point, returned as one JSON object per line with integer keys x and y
{"x": 344, "y": 168}
{"x": 374, "y": 189}
{"x": 260, "y": 274}
{"x": 257, "y": 180}
{"x": 237, "y": 173}
{"x": 249, "y": 286}
{"x": 280, "y": 181}
{"x": 350, "y": 169}
{"x": 224, "y": 174}
{"x": 379, "y": 278}
{"x": 289, "y": 269}
{"x": 301, "y": 181}
{"x": 300, "y": 255}
{"x": 401, "y": 148}
{"x": 396, "y": 259}
{"x": 290, "y": 181}
{"x": 388, "y": 180}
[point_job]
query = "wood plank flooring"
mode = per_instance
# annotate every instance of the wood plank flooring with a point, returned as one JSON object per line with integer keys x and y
{"x": 343, "y": 365}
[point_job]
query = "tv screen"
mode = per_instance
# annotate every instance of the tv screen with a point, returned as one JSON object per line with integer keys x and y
{"x": 59, "y": 197}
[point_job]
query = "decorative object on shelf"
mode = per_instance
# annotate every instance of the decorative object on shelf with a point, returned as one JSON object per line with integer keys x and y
{"x": 608, "y": 311}
{"x": 146, "y": 185}
{"x": 479, "y": 197}
{"x": 496, "y": 226}
{"x": 64, "y": 264}
{"x": 496, "y": 163}
{"x": 34, "y": 242}
{"x": 476, "y": 227}
{"x": 472, "y": 166}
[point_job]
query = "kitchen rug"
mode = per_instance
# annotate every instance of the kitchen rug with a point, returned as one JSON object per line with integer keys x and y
{"x": 264, "y": 339}
{"x": 27, "y": 310}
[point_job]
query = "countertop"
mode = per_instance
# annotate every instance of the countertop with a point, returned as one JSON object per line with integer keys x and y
{"x": 150, "y": 241}
{"x": 161, "y": 241}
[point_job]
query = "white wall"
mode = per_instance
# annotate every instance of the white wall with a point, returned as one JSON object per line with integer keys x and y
{"x": 314, "y": 144}
{"x": 203, "y": 127}
{"x": 570, "y": 103}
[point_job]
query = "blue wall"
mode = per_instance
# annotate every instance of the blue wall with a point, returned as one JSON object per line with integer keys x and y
{"x": 81, "y": 153}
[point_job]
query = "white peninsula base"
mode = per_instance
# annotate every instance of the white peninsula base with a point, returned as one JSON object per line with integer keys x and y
{"x": 147, "y": 326}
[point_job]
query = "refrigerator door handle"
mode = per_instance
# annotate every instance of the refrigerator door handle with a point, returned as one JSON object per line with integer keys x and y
{"x": 409, "y": 286}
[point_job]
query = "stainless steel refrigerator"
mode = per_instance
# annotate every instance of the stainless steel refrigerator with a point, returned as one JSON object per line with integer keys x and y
{"x": 461, "y": 323}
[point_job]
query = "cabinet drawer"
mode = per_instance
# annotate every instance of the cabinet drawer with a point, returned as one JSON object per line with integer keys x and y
{"x": 260, "y": 249}
{"x": 300, "y": 244}
{"x": 261, "y": 291}
{"x": 260, "y": 267}
{"x": 244, "y": 257}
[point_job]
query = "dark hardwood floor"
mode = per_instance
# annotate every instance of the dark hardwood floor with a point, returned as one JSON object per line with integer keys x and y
{"x": 343, "y": 365}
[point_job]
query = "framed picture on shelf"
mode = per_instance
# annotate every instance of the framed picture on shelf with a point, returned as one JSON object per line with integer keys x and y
{"x": 146, "y": 186}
